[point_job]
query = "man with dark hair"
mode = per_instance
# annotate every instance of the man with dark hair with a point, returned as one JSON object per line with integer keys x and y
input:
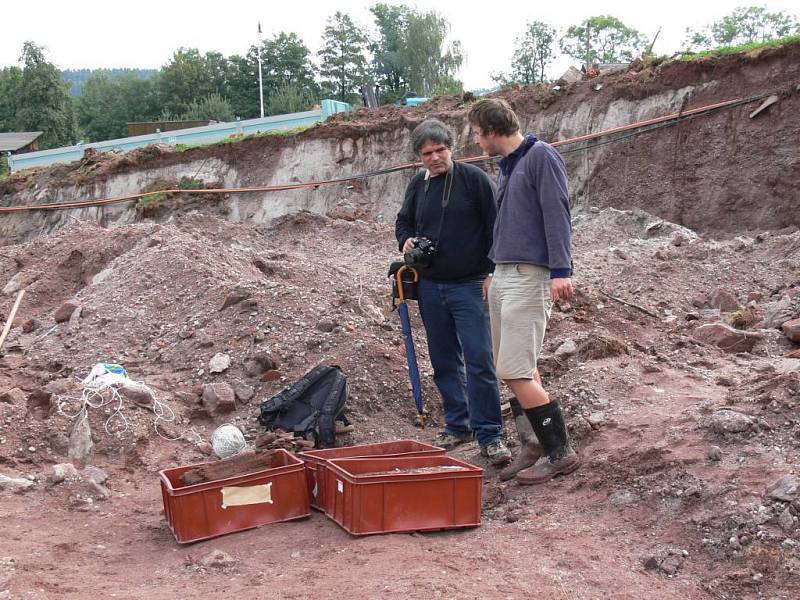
{"x": 452, "y": 205}
{"x": 532, "y": 253}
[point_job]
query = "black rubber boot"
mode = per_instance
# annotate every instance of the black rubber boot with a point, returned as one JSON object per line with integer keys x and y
{"x": 530, "y": 451}
{"x": 559, "y": 457}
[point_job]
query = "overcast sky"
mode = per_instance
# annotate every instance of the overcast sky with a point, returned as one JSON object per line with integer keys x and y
{"x": 144, "y": 34}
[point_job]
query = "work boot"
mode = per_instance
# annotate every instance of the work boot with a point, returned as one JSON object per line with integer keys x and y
{"x": 448, "y": 440}
{"x": 497, "y": 453}
{"x": 559, "y": 457}
{"x": 530, "y": 449}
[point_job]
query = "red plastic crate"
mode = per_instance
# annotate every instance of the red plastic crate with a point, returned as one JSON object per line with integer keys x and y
{"x": 369, "y": 498}
{"x": 317, "y": 461}
{"x": 198, "y": 512}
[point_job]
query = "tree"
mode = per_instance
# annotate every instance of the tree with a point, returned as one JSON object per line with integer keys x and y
{"x": 602, "y": 39}
{"x": 10, "y": 80}
{"x": 390, "y": 71}
{"x": 533, "y": 54}
{"x": 430, "y": 64}
{"x": 288, "y": 99}
{"x": 343, "y": 56}
{"x": 189, "y": 76}
{"x": 212, "y": 107}
{"x": 42, "y": 101}
{"x": 744, "y": 26}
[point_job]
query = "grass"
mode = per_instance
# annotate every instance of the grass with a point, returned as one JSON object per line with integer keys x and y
{"x": 743, "y": 49}
{"x": 4, "y": 171}
{"x": 190, "y": 183}
{"x": 238, "y": 137}
{"x": 149, "y": 199}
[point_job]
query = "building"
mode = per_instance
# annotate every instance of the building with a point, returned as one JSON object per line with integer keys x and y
{"x": 17, "y": 142}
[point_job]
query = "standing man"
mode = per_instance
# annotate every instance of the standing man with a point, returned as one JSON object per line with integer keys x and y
{"x": 446, "y": 224}
{"x": 532, "y": 254}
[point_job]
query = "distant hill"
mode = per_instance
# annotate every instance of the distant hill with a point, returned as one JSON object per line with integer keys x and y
{"x": 77, "y": 77}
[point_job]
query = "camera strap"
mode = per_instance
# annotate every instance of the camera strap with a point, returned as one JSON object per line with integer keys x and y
{"x": 448, "y": 190}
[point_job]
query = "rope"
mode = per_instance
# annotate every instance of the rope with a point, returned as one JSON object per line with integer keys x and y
{"x": 636, "y": 128}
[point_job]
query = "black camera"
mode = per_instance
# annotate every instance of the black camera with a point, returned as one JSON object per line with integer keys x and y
{"x": 421, "y": 255}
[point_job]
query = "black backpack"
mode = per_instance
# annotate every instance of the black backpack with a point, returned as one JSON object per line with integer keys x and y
{"x": 311, "y": 407}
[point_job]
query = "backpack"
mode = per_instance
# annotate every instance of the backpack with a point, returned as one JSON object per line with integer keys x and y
{"x": 310, "y": 407}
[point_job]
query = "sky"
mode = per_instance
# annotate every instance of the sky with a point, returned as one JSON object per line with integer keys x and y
{"x": 144, "y": 34}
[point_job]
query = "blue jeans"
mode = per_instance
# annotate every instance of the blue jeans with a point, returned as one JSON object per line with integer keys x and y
{"x": 456, "y": 320}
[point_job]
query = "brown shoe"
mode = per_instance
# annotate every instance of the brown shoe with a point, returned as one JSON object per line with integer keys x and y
{"x": 545, "y": 468}
{"x": 528, "y": 455}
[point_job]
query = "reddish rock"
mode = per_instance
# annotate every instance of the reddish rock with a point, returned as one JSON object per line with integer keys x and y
{"x": 792, "y": 330}
{"x": 726, "y": 337}
{"x": 271, "y": 375}
{"x": 65, "y": 311}
{"x": 14, "y": 396}
{"x": 29, "y": 325}
{"x": 723, "y": 300}
{"x": 218, "y": 398}
{"x": 259, "y": 363}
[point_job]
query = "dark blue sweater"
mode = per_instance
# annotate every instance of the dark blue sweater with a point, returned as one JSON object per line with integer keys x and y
{"x": 533, "y": 222}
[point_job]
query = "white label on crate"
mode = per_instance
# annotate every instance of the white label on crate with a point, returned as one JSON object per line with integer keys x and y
{"x": 240, "y": 496}
{"x": 339, "y": 486}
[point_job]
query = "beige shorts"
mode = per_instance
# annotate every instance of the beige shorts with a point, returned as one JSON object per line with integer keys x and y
{"x": 519, "y": 309}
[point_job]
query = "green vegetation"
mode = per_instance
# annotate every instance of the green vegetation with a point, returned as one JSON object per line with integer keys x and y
{"x": 190, "y": 183}
{"x": 744, "y": 48}
{"x": 744, "y": 26}
{"x": 150, "y": 200}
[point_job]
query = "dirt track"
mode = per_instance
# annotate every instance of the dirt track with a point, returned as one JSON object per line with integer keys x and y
{"x": 656, "y": 510}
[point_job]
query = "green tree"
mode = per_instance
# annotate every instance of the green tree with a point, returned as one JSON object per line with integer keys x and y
{"x": 602, "y": 39}
{"x": 42, "y": 101}
{"x": 430, "y": 64}
{"x": 212, "y": 107}
{"x": 533, "y": 54}
{"x": 744, "y": 26}
{"x": 189, "y": 76}
{"x": 343, "y": 57}
{"x": 243, "y": 85}
{"x": 10, "y": 80}
{"x": 288, "y": 99}
{"x": 390, "y": 71}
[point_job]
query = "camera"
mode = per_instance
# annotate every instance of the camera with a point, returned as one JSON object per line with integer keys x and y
{"x": 421, "y": 255}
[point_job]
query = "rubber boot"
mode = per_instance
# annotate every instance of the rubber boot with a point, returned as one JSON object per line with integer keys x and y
{"x": 530, "y": 449}
{"x": 559, "y": 457}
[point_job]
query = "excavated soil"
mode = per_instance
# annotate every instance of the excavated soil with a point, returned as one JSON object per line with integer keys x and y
{"x": 680, "y": 440}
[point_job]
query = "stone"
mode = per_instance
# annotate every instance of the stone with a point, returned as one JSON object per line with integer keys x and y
{"x": 75, "y": 317}
{"x": 15, "y": 484}
{"x": 596, "y": 419}
{"x": 785, "y": 489}
{"x": 715, "y": 453}
{"x": 623, "y": 498}
{"x": 620, "y": 253}
{"x": 102, "y": 276}
{"x": 95, "y": 474}
{"x": 80, "y": 440}
{"x": 566, "y": 349}
{"x": 64, "y": 312}
{"x": 64, "y": 471}
{"x": 679, "y": 239}
{"x": 272, "y": 375}
{"x": 259, "y": 363}
{"x": 13, "y": 285}
{"x": 786, "y": 521}
{"x": 724, "y": 300}
{"x": 138, "y": 395}
{"x": 219, "y": 363}
{"x": 243, "y": 392}
{"x": 217, "y": 559}
{"x": 777, "y": 313}
{"x": 730, "y": 421}
{"x": 14, "y": 396}
{"x": 218, "y": 398}
{"x": 792, "y": 330}
{"x": 30, "y": 326}
{"x": 234, "y": 298}
{"x": 326, "y": 325}
{"x": 726, "y": 337}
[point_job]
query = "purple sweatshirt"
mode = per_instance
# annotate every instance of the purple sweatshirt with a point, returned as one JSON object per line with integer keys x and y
{"x": 533, "y": 218}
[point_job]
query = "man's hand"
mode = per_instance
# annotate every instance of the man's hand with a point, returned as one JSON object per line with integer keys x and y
{"x": 409, "y": 244}
{"x": 561, "y": 288}
{"x": 486, "y": 284}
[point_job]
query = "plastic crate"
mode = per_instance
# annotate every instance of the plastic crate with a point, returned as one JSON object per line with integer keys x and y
{"x": 369, "y": 498}
{"x": 317, "y": 460}
{"x": 209, "y": 509}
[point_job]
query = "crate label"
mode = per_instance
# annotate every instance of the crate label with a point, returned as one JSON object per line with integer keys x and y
{"x": 241, "y": 496}
{"x": 340, "y": 486}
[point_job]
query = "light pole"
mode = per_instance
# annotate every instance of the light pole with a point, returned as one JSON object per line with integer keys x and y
{"x": 260, "y": 81}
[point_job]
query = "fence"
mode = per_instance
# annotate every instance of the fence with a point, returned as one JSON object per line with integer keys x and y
{"x": 194, "y": 135}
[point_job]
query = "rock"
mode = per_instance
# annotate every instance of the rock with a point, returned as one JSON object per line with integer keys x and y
{"x": 219, "y": 363}
{"x": 723, "y": 300}
{"x": 596, "y": 419}
{"x": 786, "y": 489}
{"x": 80, "y": 440}
{"x": 692, "y": 316}
{"x": 679, "y": 239}
{"x": 326, "y": 325}
{"x": 59, "y": 442}
{"x": 700, "y": 301}
{"x": 259, "y": 363}
{"x": 95, "y": 474}
{"x": 217, "y": 559}
{"x": 218, "y": 398}
{"x": 726, "y": 337}
{"x": 234, "y": 298}
{"x": 30, "y": 326}
{"x": 243, "y": 392}
{"x": 730, "y": 421}
{"x": 138, "y": 395}
{"x": 204, "y": 340}
{"x": 14, "y": 396}
{"x": 102, "y": 276}
{"x": 15, "y": 484}
{"x": 272, "y": 375}
{"x": 668, "y": 563}
{"x": 792, "y": 330}
{"x": 205, "y": 447}
{"x": 65, "y": 311}
{"x": 13, "y": 285}
{"x": 786, "y": 521}
{"x": 623, "y": 498}
{"x": 620, "y": 253}
{"x": 566, "y": 349}
{"x": 64, "y": 471}
{"x": 597, "y": 346}
{"x": 777, "y": 313}
{"x": 75, "y": 317}
{"x": 715, "y": 453}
